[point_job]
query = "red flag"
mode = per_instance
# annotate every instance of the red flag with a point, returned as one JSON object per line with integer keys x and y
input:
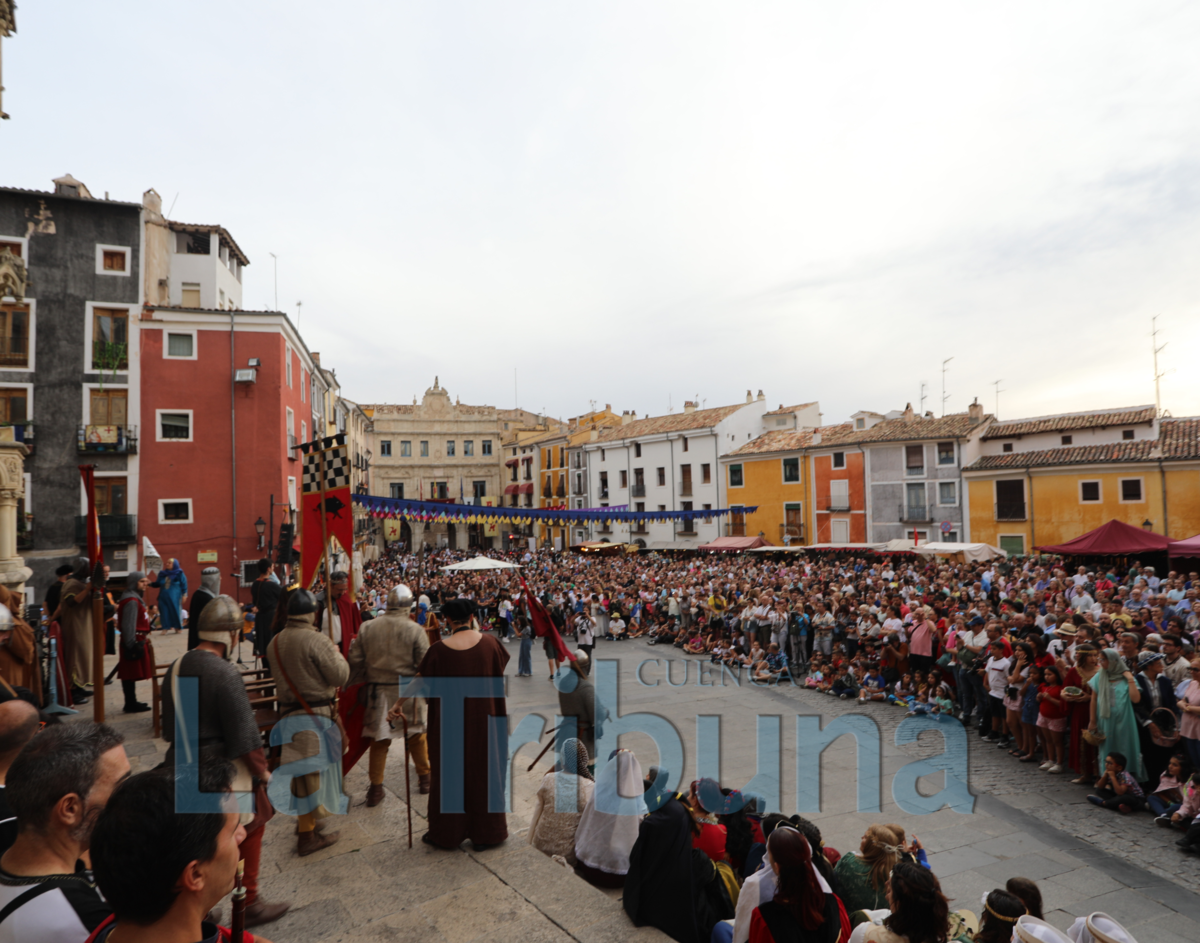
{"x": 339, "y": 524}
{"x": 88, "y": 474}
{"x": 543, "y": 625}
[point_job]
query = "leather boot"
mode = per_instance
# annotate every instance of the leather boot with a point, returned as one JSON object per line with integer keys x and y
{"x": 319, "y": 826}
{"x": 261, "y": 912}
{"x": 423, "y": 783}
{"x": 374, "y": 795}
{"x": 311, "y": 841}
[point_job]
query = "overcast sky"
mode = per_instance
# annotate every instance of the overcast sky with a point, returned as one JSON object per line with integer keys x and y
{"x": 635, "y": 203}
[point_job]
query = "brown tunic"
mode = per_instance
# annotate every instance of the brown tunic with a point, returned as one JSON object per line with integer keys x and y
{"x": 449, "y": 830}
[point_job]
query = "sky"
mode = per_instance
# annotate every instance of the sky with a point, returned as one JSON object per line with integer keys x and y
{"x": 564, "y": 204}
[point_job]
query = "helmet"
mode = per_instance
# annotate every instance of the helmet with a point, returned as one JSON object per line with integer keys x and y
{"x": 220, "y": 617}
{"x": 400, "y": 597}
{"x": 300, "y": 603}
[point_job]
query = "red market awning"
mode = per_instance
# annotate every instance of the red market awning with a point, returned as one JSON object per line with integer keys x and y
{"x": 1112, "y": 539}
{"x": 526, "y": 488}
{"x": 511, "y": 461}
{"x": 1185, "y": 548}
{"x": 735, "y": 543}
{"x": 512, "y": 489}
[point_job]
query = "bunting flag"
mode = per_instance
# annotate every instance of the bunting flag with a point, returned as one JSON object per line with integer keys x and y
{"x": 327, "y": 497}
{"x": 543, "y": 624}
{"x": 94, "y": 553}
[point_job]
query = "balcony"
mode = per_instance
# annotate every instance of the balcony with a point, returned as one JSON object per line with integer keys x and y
{"x": 685, "y": 488}
{"x": 109, "y": 357}
{"x": 17, "y": 432}
{"x": 603, "y": 493}
{"x": 14, "y": 351}
{"x": 605, "y": 529}
{"x": 917, "y": 513}
{"x": 735, "y": 529}
{"x": 119, "y": 439}
{"x": 837, "y": 504}
{"x": 560, "y": 491}
{"x": 915, "y": 471}
{"x": 640, "y": 528}
{"x": 1010, "y": 511}
{"x": 114, "y": 529}
{"x": 547, "y": 491}
{"x": 791, "y": 532}
{"x": 639, "y": 489}
{"x": 25, "y": 534}
{"x": 577, "y": 488}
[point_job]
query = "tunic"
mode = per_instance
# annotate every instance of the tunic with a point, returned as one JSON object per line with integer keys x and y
{"x": 172, "y": 587}
{"x": 552, "y": 832}
{"x": 135, "y": 627}
{"x": 387, "y": 648}
{"x": 76, "y": 623}
{"x": 486, "y": 659}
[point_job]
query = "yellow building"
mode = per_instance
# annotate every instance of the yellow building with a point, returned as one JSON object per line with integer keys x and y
{"x": 555, "y": 451}
{"x": 1048, "y": 480}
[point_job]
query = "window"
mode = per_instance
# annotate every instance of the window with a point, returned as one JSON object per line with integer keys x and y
{"x": 385, "y": 448}
{"x": 1066, "y": 440}
{"x": 781, "y": 421}
{"x": 450, "y": 449}
{"x": 110, "y": 338}
{"x": 468, "y": 447}
{"x": 839, "y": 531}
{"x": 303, "y": 385}
{"x": 112, "y": 260}
{"x": 291, "y": 423}
{"x": 1126, "y": 433}
{"x": 662, "y": 507}
{"x": 708, "y": 520}
{"x": 175, "y": 425}
{"x": 914, "y": 459}
{"x": 486, "y": 447}
{"x": 182, "y": 346}
{"x": 111, "y": 494}
{"x": 604, "y": 484}
{"x": 1131, "y": 490}
{"x": 440, "y": 490}
{"x": 14, "y": 405}
{"x": 480, "y": 489}
{"x": 839, "y": 459}
{"x": 916, "y": 499}
{"x": 1014, "y": 544}
{"x": 220, "y": 297}
{"x": 947, "y": 492}
{"x": 945, "y": 453}
{"x": 860, "y": 424}
{"x": 424, "y": 448}
{"x": 706, "y": 474}
{"x": 175, "y": 510}
{"x": 950, "y": 537}
{"x": 396, "y": 488}
{"x": 303, "y": 431}
{"x": 189, "y": 296}
{"x": 1006, "y": 447}
{"x": 14, "y": 335}
{"x": 13, "y": 247}
{"x": 839, "y": 495}
{"x": 287, "y": 369}
{"x": 291, "y": 486}
{"x": 735, "y": 476}
{"x": 791, "y": 469}
{"x": 109, "y": 408}
{"x": 405, "y": 449}
{"x": 624, "y": 479}
{"x": 602, "y": 455}
{"x": 685, "y": 447}
{"x": 637, "y": 449}
{"x": 1089, "y": 492}
{"x": 662, "y": 477}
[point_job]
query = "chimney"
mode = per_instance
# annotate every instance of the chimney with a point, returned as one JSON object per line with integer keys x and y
{"x": 608, "y": 407}
{"x": 625, "y": 420}
{"x": 929, "y": 414}
{"x": 316, "y": 358}
{"x": 975, "y": 411}
{"x": 908, "y": 416}
{"x": 595, "y": 435}
{"x": 760, "y": 396}
{"x": 689, "y": 406}
{"x": 816, "y": 438}
{"x": 66, "y": 185}
{"x": 749, "y": 397}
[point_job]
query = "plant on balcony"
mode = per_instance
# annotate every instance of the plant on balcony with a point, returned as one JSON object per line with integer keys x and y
{"x": 110, "y": 356}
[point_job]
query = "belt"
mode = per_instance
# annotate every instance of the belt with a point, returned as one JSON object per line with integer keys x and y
{"x": 288, "y": 708}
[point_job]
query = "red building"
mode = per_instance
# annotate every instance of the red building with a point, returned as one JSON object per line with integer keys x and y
{"x": 839, "y": 492}
{"x": 225, "y": 398}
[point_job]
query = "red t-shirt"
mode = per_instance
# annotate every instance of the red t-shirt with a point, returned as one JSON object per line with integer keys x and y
{"x": 1051, "y": 709}
{"x": 711, "y": 841}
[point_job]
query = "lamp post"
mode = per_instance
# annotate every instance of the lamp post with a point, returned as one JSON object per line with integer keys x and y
{"x": 260, "y": 528}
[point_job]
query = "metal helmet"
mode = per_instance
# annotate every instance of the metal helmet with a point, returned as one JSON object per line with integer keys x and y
{"x": 400, "y": 597}
{"x": 219, "y": 618}
{"x": 301, "y": 602}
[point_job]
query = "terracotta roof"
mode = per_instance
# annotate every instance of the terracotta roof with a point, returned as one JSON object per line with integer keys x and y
{"x": 62, "y": 196}
{"x": 954, "y": 426}
{"x": 674, "y": 422}
{"x": 792, "y": 440}
{"x": 1094, "y": 420}
{"x": 218, "y": 229}
{"x": 1179, "y": 440}
{"x": 784, "y": 410}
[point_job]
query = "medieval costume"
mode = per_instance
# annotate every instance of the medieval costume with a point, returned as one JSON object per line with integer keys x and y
{"x": 226, "y": 728}
{"x": 608, "y": 827}
{"x": 347, "y": 619}
{"x": 308, "y": 670}
{"x": 75, "y": 619}
{"x": 555, "y": 820}
{"x": 387, "y": 648}
{"x": 172, "y": 588}
{"x": 484, "y": 756}
{"x": 210, "y": 589}
{"x": 18, "y": 653}
{"x": 135, "y": 653}
{"x": 264, "y": 593}
{"x": 580, "y": 703}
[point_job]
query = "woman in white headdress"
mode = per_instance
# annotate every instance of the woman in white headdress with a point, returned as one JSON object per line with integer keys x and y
{"x": 608, "y": 827}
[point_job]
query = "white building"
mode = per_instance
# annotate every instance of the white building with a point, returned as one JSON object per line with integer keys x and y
{"x": 668, "y": 463}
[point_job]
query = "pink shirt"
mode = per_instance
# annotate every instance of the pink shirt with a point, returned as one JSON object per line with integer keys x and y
{"x": 1189, "y": 724}
{"x": 921, "y": 642}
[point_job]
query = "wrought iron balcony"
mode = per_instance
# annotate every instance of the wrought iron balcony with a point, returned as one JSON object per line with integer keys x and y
{"x": 1010, "y": 511}
{"x": 915, "y": 512}
{"x": 14, "y": 351}
{"x": 837, "y": 504}
{"x": 114, "y": 529}
{"x": 638, "y": 490}
{"x": 99, "y": 438}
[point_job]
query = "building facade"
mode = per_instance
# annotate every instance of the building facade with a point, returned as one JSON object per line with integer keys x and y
{"x": 1045, "y": 480}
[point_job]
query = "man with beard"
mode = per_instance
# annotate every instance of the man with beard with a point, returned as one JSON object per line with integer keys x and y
{"x": 210, "y": 589}
{"x": 57, "y": 787}
{"x": 347, "y": 619}
{"x": 136, "y": 654}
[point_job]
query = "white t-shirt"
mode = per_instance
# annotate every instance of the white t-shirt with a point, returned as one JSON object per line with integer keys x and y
{"x": 997, "y": 675}
{"x": 617, "y": 626}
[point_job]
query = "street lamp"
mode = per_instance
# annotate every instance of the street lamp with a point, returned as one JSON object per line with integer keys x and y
{"x": 1147, "y": 525}
{"x": 260, "y": 528}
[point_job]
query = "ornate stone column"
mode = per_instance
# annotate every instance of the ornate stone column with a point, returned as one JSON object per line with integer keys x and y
{"x": 13, "y": 571}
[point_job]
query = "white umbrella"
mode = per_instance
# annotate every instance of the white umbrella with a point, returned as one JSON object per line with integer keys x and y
{"x": 482, "y": 563}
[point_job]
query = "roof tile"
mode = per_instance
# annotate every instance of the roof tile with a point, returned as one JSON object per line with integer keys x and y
{"x": 1094, "y": 420}
{"x": 674, "y": 422}
{"x": 1179, "y": 440}
{"x": 792, "y": 440}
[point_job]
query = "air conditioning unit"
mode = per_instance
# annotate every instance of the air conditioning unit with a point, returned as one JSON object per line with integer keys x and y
{"x": 245, "y": 376}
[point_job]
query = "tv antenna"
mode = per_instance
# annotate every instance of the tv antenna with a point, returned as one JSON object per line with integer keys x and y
{"x": 996, "y": 384}
{"x": 921, "y": 404}
{"x": 944, "y": 396}
{"x": 1158, "y": 375}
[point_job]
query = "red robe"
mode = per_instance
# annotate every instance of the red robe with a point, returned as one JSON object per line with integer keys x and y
{"x": 350, "y": 617}
{"x": 136, "y": 669}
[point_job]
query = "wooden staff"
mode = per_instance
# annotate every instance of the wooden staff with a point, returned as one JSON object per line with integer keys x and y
{"x": 543, "y": 753}
{"x": 237, "y": 923}
{"x": 407, "y": 781}
{"x": 98, "y": 643}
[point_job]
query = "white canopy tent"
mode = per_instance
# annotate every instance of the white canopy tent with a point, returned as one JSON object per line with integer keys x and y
{"x": 481, "y": 563}
{"x": 970, "y": 553}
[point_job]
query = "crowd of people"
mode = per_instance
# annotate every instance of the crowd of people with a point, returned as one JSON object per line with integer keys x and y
{"x": 1090, "y": 671}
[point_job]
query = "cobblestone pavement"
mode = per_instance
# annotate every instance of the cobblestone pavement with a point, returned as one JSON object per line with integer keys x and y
{"x": 372, "y": 887}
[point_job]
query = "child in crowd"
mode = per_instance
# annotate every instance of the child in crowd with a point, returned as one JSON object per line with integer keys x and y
{"x": 1168, "y": 796}
{"x": 943, "y": 704}
{"x": 1052, "y": 719}
{"x": 694, "y": 644}
{"x": 616, "y": 627}
{"x": 903, "y": 690}
{"x": 874, "y": 688}
{"x": 1117, "y": 788}
{"x": 845, "y": 685}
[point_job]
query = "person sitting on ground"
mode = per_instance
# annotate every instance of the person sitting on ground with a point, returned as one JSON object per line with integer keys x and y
{"x": 776, "y": 661}
{"x": 918, "y": 911}
{"x": 903, "y": 690}
{"x": 162, "y": 871}
{"x": 1117, "y": 788}
{"x": 57, "y": 786}
{"x": 1028, "y": 893}
{"x": 694, "y": 644}
{"x": 637, "y": 629}
{"x": 804, "y": 907}
{"x": 845, "y": 685}
{"x": 1001, "y": 910}
{"x": 874, "y": 688}
{"x": 708, "y": 834}
{"x": 864, "y": 875}
{"x": 1168, "y": 795}
{"x": 551, "y": 831}
{"x": 616, "y": 627}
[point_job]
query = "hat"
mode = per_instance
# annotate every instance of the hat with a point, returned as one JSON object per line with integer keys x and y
{"x": 1148, "y": 658}
{"x": 1069, "y": 629}
{"x": 976, "y": 621}
{"x": 1032, "y": 930}
{"x": 1104, "y": 929}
